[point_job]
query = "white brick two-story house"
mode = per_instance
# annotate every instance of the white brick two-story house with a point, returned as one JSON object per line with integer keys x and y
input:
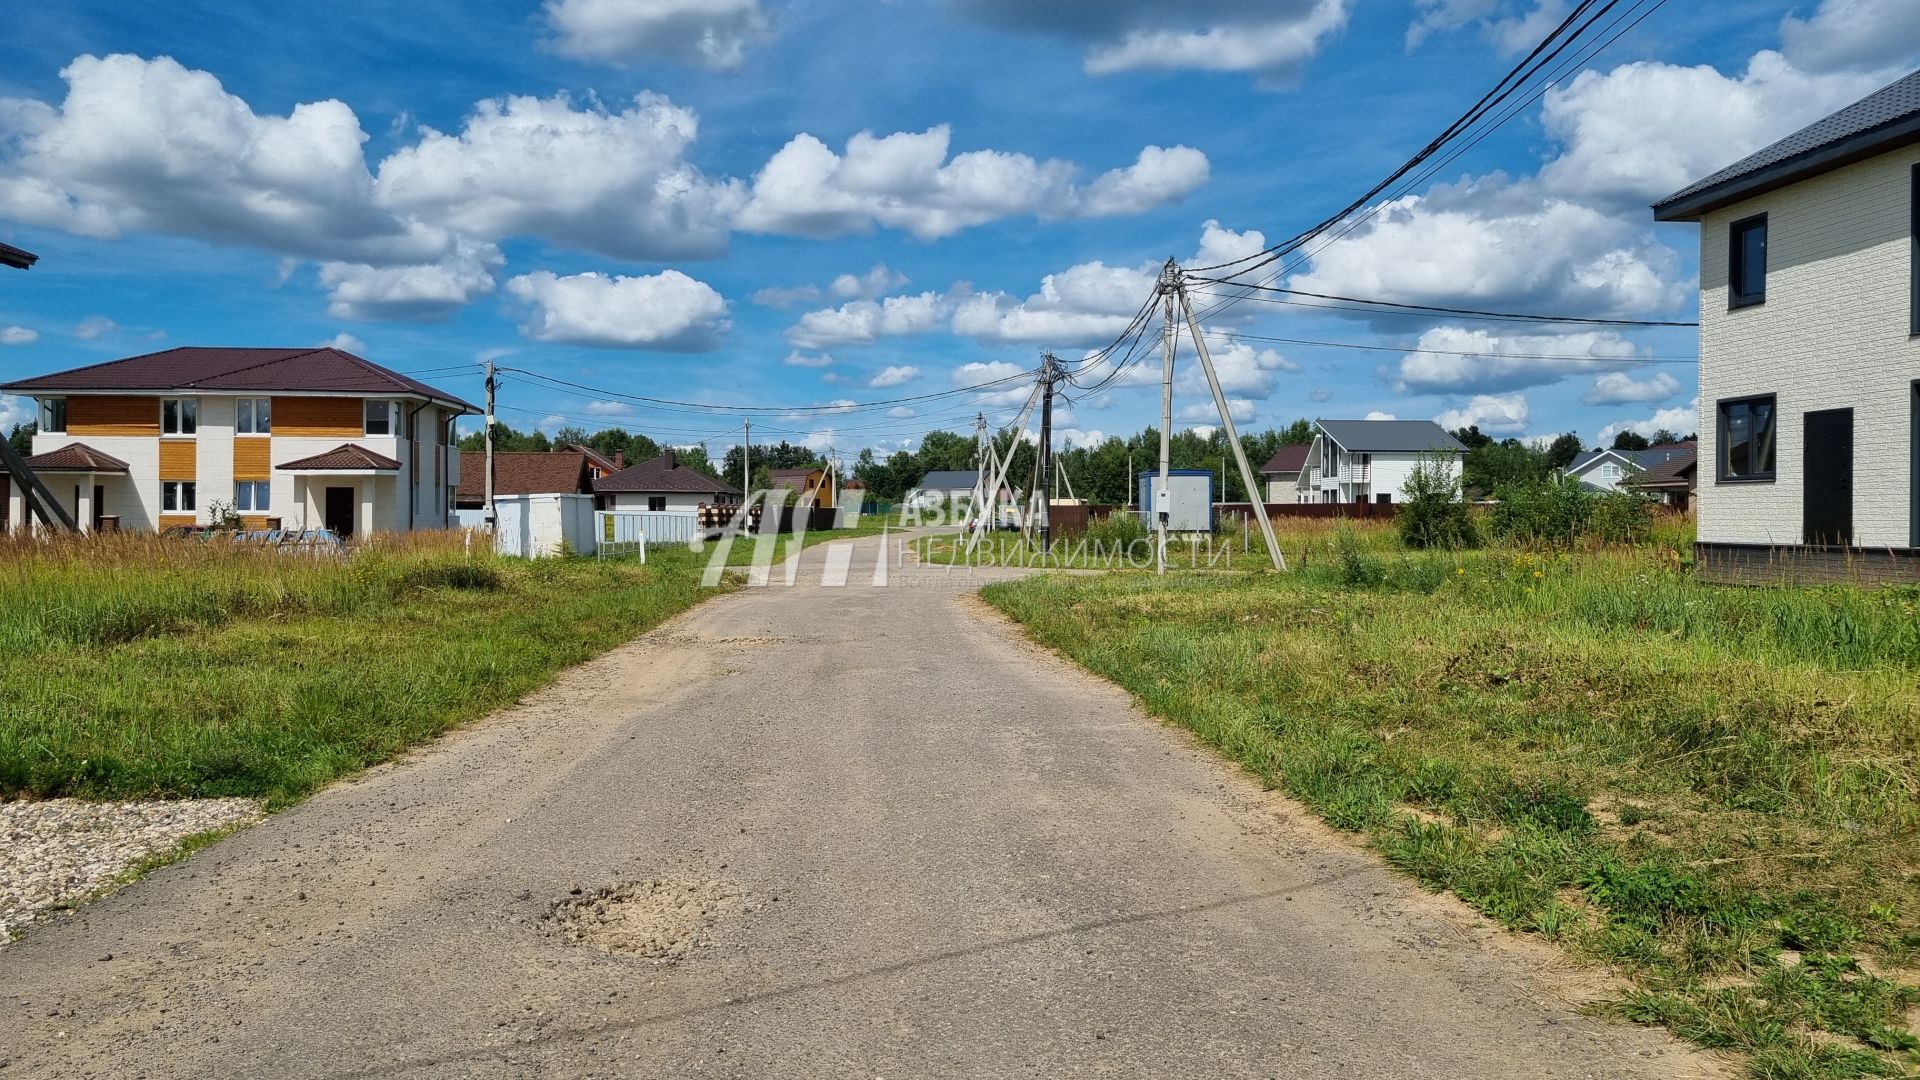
{"x": 1809, "y": 360}
{"x": 1368, "y": 461}
{"x": 296, "y": 438}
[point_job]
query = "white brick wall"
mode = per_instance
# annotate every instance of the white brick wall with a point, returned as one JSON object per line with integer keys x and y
{"x": 1834, "y": 333}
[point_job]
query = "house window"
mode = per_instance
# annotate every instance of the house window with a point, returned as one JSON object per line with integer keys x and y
{"x": 656, "y": 502}
{"x": 1610, "y": 471}
{"x": 53, "y": 414}
{"x": 254, "y": 416}
{"x": 253, "y": 495}
{"x": 1746, "y": 438}
{"x": 179, "y": 416}
{"x": 379, "y": 417}
{"x": 176, "y": 496}
{"x": 1747, "y": 262}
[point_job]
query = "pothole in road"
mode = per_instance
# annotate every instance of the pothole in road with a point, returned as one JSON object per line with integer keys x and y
{"x": 655, "y": 919}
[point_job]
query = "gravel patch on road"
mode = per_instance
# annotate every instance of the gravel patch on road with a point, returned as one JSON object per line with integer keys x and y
{"x": 63, "y": 849}
{"x": 659, "y": 920}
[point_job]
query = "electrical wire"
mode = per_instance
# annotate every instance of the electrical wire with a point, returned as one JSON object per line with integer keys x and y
{"x": 708, "y": 407}
{"x": 1423, "y": 310}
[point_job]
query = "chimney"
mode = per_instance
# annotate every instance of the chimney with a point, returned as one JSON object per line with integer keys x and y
{"x": 619, "y": 460}
{"x": 673, "y": 459}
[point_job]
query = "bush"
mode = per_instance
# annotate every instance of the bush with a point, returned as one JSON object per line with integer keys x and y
{"x": 1118, "y": 529}
{"x": 1433, "y": 514}
{"x": 1562, "y": 511}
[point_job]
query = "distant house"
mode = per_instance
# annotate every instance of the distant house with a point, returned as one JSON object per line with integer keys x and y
{"x": 1368, "y": 461}
{"x": 1673, "y": 481}
{"x": 561, "y": 472}
{"x": 1609, "y": 469}
{"x": 663, "y": 483}
{"x": 943, "y": 486}
{"x": 1282, "y": 472}
{"x": 814, "y": 482}
{"x": 299, "y": 438}
{"x": 1810, "y": 347}
{"x": 598, "y": 464}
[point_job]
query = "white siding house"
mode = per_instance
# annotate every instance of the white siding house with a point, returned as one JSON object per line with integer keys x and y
{"x": 1809, "y": 363}
{"x": 1369, "y": 461}
{"x": 662, "y": 483}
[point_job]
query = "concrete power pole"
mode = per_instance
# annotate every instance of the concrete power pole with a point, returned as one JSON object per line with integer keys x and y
{"x": 492, "y": 517}
{"x": 1256, "y": 503}
{"x": 746, "y": 457}
{"x": 1159, "y": 499}
{"x": 1044, "y": 462}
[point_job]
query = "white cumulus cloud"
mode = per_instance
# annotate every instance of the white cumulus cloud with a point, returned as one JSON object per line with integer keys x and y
{"x": 1493, "y": 414}
{"x": 1456, "y": 360}
{"x": 1681, "y": 420}
{"x": 1842, "y": 34}
{"x": 863, "y": 322}
{"x": 1273, "y": 39}
{"x": 668, "y": 311}
{"x": 425, "y": 292}
{"x": 345, "y": 342}
{"x": 590, "y": 177}
{"x": 713, "y": 34}
{"x": 1620, "y": 388}
{"x": 18, "y": 335}
{"x": 907, "y": 181}
{"x": 893, "y": 375}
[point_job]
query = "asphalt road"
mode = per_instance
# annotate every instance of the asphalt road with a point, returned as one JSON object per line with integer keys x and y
{"x": 927, "y": 851}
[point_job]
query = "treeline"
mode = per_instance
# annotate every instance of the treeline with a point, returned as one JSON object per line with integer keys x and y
{"x": 1098, "y": 473}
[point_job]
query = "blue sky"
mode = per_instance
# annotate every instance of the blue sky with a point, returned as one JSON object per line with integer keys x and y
{"x": 759, "y": 202}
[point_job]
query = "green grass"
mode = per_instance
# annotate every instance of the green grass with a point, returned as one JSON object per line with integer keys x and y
{"x": 1715, "y": 790}
{"x": 141, "y": 668}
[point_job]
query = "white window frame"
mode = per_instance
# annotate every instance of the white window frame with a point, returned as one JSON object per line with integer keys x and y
{"x": 390, "y": 413}
{"x": 246, "y": 416}
{"x": 183, "y": 406}
{"x": 175, "y": 492}
{"x": 244, "y": 492}
{"x": 45, "y": 422}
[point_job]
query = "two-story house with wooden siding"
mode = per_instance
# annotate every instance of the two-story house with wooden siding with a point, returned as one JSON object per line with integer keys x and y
{"x": 1810, "y": 348}
{"x": 294, "y": 438}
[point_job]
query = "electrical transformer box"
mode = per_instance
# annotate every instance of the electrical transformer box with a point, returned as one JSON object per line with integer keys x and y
{"x": 1187, "y": 501}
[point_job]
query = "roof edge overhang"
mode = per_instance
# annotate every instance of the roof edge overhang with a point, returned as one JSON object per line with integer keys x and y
{"x": 1836, "y": 155}
{"x": 28, "y": 389}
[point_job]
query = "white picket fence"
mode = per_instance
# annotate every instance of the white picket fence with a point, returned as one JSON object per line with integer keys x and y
{"x": 628, "y": 532}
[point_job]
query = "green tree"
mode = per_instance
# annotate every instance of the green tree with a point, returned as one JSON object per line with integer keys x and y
{"x": 1432, "y": 512}
{"x": 1471, "y": 436}
{"x": 1630, "y": 440}
{"x": 1664, "y": 436}
{"x": 1563, "y": 450}
{"x": 1495, "y": 465}
{"x": 22, "y": 438}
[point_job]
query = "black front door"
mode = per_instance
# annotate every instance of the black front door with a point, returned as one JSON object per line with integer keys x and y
{"x": 339, "y": 511}
{"x": 1827, "y": 499}
{"x": 99, "y": 505}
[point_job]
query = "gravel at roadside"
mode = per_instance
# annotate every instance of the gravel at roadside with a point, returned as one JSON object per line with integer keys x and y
{"x": 63, "y": 849}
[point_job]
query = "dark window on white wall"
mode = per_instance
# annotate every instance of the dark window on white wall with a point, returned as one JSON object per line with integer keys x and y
{"x": 656, "y": 503}
{"x": 1747, "y": 262}
{"x": 179, "y": 416}
{"x": 1746, "y": 438}
{"x": 53, "y": 414}
{"x": 1913, "y": 251}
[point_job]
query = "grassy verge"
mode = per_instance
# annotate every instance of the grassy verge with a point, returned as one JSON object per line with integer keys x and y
{"x": 135, "y": 667}
{"x": 1717, "y": 791}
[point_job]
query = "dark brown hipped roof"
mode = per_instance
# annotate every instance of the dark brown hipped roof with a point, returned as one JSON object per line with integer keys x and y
{"x": 1288, "y": 459}
{"x": 562, "y": 472}
{"x": 664, "y": 473}
{"x": 345, "y": 456}
{"x": 1675, "y": 472}
{"x": 75, "y": 457}
{"x": 17, "y": 258}
{"x": 323, "y": 370}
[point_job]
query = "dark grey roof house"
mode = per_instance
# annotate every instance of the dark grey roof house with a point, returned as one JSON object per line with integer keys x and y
{"x": 1809, "y": 451}
{"x": 1391, "y": 436}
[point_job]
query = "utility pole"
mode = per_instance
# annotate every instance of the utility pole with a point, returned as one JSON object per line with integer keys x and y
{"x": 1004, "y": 462}
{"x": 1160, "y": 498}
{"x": 1259, "y": 506}
{"x": 746, "y": 457}
{"x": 40, "y": 501}
{"x": 492, "y": 516}
{"x": 1044, "y": 462}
